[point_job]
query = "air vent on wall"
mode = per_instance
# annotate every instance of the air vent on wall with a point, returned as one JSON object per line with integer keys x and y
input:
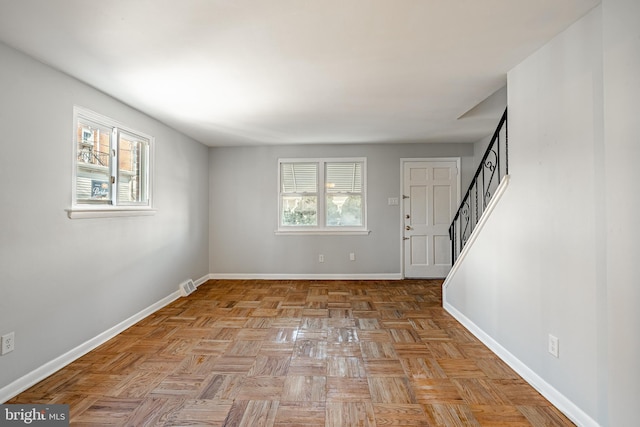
{"x": 187, "y": 287}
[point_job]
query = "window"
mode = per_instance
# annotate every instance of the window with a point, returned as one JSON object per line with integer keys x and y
{"x": 322, "y": 195}
{"x": 111, "y": 167}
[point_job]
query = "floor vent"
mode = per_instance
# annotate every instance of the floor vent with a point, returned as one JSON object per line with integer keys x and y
{"x": 187, "y": 287}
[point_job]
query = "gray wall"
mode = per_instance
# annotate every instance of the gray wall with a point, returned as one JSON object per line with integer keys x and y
{"x": 621, "y": 315}
{"x": 243, "y": 214}
{"x": 65, "y": 281}
{"x": 559, "y": 253}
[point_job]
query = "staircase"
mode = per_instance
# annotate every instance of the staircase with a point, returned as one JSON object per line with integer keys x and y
{"x": 493, "y": 167}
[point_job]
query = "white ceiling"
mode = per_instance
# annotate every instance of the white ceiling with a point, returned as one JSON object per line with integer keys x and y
{"x": 251, "y": 72}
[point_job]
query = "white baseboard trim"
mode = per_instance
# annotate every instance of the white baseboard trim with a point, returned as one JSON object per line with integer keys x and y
{"x": 502, "y": 187}
{"x": 39, "y": 374}
{"x": 243, "y": 276}
{"x": 201, "y": 280}
{"x": 560, "y": 401}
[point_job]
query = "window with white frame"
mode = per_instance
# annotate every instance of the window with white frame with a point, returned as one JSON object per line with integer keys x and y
{"x": 111, "y": 164}
{"x": 322, "y": 195}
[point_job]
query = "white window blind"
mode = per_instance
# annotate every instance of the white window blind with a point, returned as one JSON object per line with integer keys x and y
{"x": 299, "y": 177}
{"x": 344, "y": 177}
{"x": 322, "y": 195}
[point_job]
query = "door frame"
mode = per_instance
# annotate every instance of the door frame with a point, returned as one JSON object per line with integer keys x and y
{"x": 404, "y": 160}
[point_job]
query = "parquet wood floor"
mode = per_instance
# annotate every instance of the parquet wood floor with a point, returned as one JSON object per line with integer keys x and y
{"x": 297, "y": 353}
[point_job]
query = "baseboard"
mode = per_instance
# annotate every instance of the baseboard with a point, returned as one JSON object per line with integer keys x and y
{"x": 243, "y": 276}
{"x": 201, "y": 280}
{"x": 49, "y": 368}
{"x": 560, "y": 401}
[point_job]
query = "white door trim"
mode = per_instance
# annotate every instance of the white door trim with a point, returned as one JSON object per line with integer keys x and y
{"x": 401, "y": 210}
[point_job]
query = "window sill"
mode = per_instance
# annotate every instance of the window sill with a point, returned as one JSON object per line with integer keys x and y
{"x": 322, "y": 232}
{"x": 83, "y": 213}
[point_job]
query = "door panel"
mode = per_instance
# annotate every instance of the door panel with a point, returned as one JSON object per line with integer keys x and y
{"x": 442, "y": 251}
{"x": 442, "y": 205}
{"x": 418, "y": 250}
{"x": 418, "y": 212}
{"x": 432, "y": 190}
{"x": 441, "y": 173}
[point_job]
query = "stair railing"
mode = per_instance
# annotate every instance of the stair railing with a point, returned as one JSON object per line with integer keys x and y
{"x": 493, "y": 167}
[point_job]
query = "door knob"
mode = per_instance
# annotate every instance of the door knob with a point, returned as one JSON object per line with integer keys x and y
{"x": 407, "y": 228}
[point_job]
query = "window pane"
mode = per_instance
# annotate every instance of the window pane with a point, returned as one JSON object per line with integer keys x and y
{"x": 93, "y": 173}
{"x": 133, "y": 153}
{"x": 299, "y": 210}
{"x": 344, "y": 210}
{"x": 299, "y": 177}
{"x": 344, "y": 177}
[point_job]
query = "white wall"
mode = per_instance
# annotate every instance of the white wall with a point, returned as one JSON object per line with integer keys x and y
{"x": 559, "y": 253}
{"x": 65, "y": 281}
{"x": 243, "y": 195}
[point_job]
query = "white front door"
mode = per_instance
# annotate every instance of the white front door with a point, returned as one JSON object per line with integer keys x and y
{"x": 430, "y": 197}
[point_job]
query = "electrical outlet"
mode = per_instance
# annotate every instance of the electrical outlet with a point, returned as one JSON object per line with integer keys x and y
{"x": 554, "y": 344}
{"x": 8, "y": 343}
{"x": 352, "y": 256}
{"x": 321, "y": 258}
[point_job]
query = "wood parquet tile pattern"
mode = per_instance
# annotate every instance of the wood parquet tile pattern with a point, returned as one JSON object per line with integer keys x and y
{"x": 297, "y": 353}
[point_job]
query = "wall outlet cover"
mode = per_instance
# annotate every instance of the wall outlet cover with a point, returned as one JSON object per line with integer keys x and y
{"x": 8, "y": 343}
{"x": 554, "y": 344}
